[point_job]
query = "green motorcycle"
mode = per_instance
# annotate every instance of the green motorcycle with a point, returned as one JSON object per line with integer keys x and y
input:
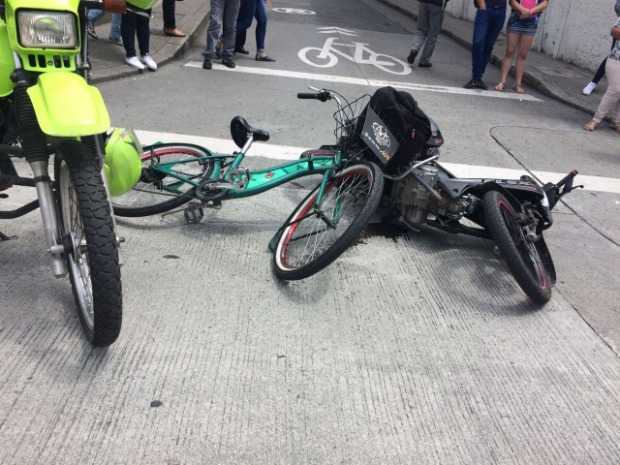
{"x": 48, "y": 111}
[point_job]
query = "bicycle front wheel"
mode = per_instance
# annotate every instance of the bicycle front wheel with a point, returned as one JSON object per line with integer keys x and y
{"x": 318, "y": 233}
{"x": 163, "y": 184}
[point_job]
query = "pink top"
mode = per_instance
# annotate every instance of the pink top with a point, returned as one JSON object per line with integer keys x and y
{"x": 529, "y": 4}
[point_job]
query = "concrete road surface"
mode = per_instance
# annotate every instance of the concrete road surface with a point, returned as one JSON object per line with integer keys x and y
{"x": 409, "y": 349}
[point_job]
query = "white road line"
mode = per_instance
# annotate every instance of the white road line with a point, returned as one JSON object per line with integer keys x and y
{"x": 412, "y": 86}
{"x": 285, "y": 152}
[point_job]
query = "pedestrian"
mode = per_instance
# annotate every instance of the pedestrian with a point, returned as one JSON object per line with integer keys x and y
{"x": 136, "y": 21}
{"x": 93, "y": 15}
{"x": 170, "y": 25}
{"x": 600, "y": 72}
{"x": 489, "y": 22}
{"x": 250, "y": 9}
{"x": 610, "y": 104}
{"x": 222, "y": 22}
{"x": 430, "y": 17}
{"x": 522, "y": 26}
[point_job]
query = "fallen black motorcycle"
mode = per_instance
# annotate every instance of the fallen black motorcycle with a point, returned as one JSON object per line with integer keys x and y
{"x": 395, "y": 133}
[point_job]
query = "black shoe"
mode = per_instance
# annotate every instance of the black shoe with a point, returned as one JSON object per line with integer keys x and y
{"x": 207, "y": 64}
{"x": 242, "y": 51}
{"x": 264, "y": 58}
{"x": 425, "y": 64}
{"x": 473, "y": 84}
{"x": 482, "y": 85}
{"x": 412, "y": 54}
{"x": 229, "y": 63}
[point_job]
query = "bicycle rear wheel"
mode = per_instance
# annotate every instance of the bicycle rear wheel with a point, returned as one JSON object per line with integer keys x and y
{"x": 316, "y": 235}
{"x": 158, "y": 191}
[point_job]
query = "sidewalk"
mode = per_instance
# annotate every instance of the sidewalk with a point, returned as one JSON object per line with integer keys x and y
{"x": 108, "y": 59}
{"x": 557, "y": 79}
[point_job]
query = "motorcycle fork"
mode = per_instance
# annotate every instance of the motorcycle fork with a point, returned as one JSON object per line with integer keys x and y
{"x": 34, "y": 145}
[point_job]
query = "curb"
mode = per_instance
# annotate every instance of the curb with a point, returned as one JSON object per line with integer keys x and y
{"x": 183, "y": 46}
{"x": 530, "y": 78}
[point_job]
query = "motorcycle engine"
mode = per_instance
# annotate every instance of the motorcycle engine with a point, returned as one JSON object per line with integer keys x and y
{"x": 412, "y": 200}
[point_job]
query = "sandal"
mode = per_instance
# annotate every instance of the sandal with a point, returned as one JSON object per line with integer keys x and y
{"x": 500, "y": 87}
{"x": 591, "y": 125}
{"x": 519, "y": 89}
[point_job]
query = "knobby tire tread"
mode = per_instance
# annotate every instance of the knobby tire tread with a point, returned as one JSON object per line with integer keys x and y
{"x": 96, "y": 216}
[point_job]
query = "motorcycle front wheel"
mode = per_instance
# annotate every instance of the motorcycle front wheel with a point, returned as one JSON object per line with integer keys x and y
{"x": 91, "y": 248}
{"x": 520, "y": 253}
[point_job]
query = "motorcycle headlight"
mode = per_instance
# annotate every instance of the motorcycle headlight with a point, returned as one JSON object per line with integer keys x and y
{"x": 47, "y": 29}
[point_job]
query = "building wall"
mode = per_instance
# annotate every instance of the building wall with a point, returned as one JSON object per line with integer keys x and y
{"x": 576, "y": 31}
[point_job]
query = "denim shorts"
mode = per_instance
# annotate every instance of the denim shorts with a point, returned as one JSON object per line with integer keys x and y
{"x": 525, "y": 26}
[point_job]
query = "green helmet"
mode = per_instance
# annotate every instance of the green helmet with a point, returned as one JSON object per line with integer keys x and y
{"x": 122, "y": 165}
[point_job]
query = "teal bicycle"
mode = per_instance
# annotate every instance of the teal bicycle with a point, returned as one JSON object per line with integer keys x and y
{"x": 327, "y": 221}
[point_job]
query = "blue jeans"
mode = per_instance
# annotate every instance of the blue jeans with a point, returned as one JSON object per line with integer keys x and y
{"x": 115, "y": 28}
{"x": 249, "y": 10}
{"x": 222, "y": 24}
{"x": 487, "y": 26}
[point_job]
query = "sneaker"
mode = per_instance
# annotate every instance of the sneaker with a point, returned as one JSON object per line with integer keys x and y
{"x": 425, "y": 64}
{"x": 207, "y": 64}
{"x": 411, "y": 58}
{"x": 229, "y": 63}
{"x": 263, "y": 57}
{"x": 90, "y": 29}
{"x": 481, "y": 85}
{"x": 587, "y": 90}
{"x": 135, "y": 62}
{"x": 472, "y": 84}
{"x": 149, "y": 62}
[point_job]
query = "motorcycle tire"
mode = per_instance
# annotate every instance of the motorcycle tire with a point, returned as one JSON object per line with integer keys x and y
{"x": 91, "y": 247}
{"x": 520, "y": 254}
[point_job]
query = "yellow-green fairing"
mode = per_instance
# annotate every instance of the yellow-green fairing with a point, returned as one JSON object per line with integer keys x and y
{"x": 6, "y": 62}
{"x": 66, "y": 106}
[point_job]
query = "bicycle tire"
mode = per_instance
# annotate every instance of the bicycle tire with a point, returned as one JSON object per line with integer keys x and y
{"x": 91, "y": 247}
{"x": 521, "y": 255}
{"x": 173, "y": 201}
{"x": 283, "y": 269}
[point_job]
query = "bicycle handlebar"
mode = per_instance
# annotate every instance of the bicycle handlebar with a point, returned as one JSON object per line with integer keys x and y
{"x": 323, "y": 96}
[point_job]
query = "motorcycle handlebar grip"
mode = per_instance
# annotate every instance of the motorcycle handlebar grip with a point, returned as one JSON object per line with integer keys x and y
{"x": 115, "y": 6}
{"x": 307, "y": 96}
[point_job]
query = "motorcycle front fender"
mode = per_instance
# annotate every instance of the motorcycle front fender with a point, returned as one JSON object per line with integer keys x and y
{"x": 66, "y": 106}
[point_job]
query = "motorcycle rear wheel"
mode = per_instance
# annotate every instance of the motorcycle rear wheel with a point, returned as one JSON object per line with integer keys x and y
{"x": 91, "y": 248}
{"x": 521, "y": 254}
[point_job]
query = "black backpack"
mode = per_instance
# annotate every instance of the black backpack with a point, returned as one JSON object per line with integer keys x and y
{"x": 394, "y": 129}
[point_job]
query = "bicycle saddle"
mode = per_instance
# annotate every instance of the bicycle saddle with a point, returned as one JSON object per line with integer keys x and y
{"x": 240, "y": 131}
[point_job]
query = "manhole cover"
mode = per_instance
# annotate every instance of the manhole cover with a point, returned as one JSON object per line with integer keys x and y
{"x": 294, "y": 11}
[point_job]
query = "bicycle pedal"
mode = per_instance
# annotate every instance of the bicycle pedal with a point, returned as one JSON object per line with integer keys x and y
{"x": 193, "y": 214}
{"x": 215, "y": 204}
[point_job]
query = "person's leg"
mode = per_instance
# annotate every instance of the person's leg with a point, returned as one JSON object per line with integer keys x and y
{"x": 481, "y": 26}
{"x": 215, "y": 27}
{"x": 261, "y": 24}
{"x": 128, "y": 32}
{"x": 143, "y": 32}
{"x": 511, "y": 48}
{"x": 434, "y": 28}
{"x": 115, "y": 27}
{"x": 496, "y": 24}
{"x": 421, "y": 34}
{"x": 244, "y": 21}
{"x": 600, "y": 72}
{"x": 169, "y": 14}
{"x": 92, "y": 16}
{"x": 610, "y": 100}
{"x": 525, "y": 42}
{"x": 231, "y": 13}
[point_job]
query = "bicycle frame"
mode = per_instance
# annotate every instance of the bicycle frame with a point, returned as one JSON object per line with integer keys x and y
{"x": 245, "y": 183}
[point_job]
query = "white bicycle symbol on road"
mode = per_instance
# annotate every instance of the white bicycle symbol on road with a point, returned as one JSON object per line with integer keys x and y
{"x": 327, "y": 57}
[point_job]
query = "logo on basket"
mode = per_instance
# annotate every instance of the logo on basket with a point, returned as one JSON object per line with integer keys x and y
{"x": 381, "y": 135}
